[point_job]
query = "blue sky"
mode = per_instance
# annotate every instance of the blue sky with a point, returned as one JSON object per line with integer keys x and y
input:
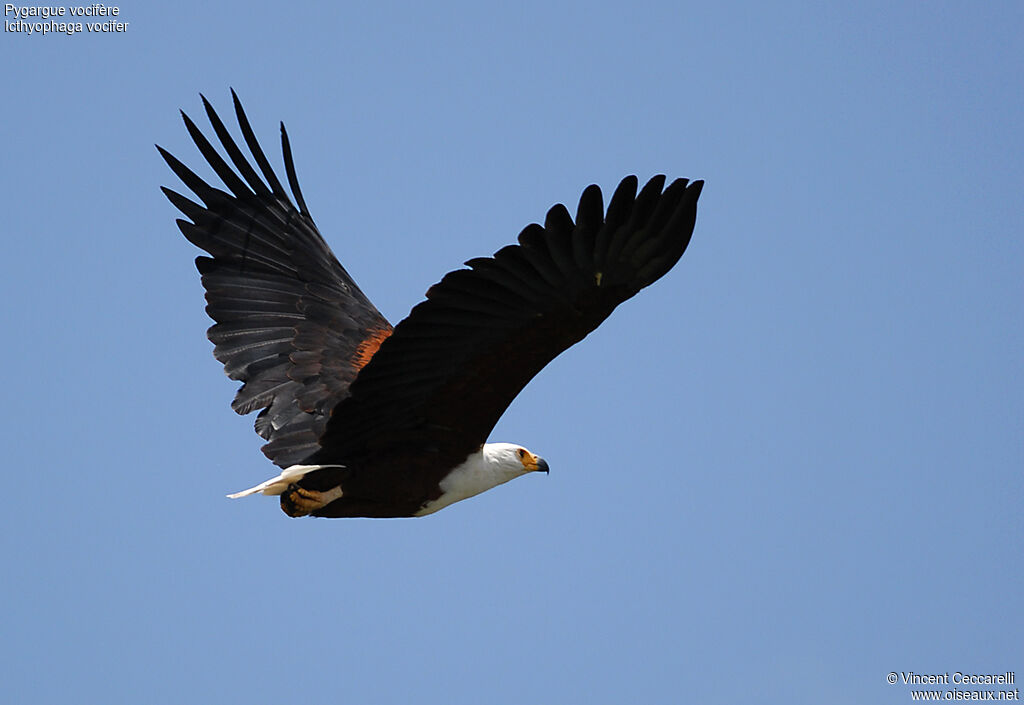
{"x": 790, "y": 467}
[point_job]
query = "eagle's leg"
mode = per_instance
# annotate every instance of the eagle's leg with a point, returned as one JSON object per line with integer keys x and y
{"x": 298, "y": 501}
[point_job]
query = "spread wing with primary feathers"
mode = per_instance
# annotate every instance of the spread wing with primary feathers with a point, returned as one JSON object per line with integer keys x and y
{"x": 290, "y": 322}
{"x": 453, "y": 366}
{"x": 333, "y": 379}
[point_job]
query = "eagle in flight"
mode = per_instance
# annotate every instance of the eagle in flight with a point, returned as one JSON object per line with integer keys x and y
{"x": 366, "y": 419}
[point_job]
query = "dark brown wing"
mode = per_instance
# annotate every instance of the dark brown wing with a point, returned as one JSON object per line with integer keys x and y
{"x": 290, "y": 322}
{"x": 452, "y": 367}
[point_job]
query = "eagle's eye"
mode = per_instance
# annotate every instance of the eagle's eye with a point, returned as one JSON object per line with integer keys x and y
{"x": 522, "y": 452}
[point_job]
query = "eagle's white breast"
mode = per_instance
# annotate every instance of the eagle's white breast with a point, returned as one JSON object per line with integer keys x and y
{"x": 492, "y": 465}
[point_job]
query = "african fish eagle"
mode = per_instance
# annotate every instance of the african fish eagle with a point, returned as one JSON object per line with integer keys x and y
{"x": 370, "y": 420}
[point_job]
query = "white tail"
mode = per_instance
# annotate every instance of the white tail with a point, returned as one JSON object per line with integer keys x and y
{"x": 277, "y": 485}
